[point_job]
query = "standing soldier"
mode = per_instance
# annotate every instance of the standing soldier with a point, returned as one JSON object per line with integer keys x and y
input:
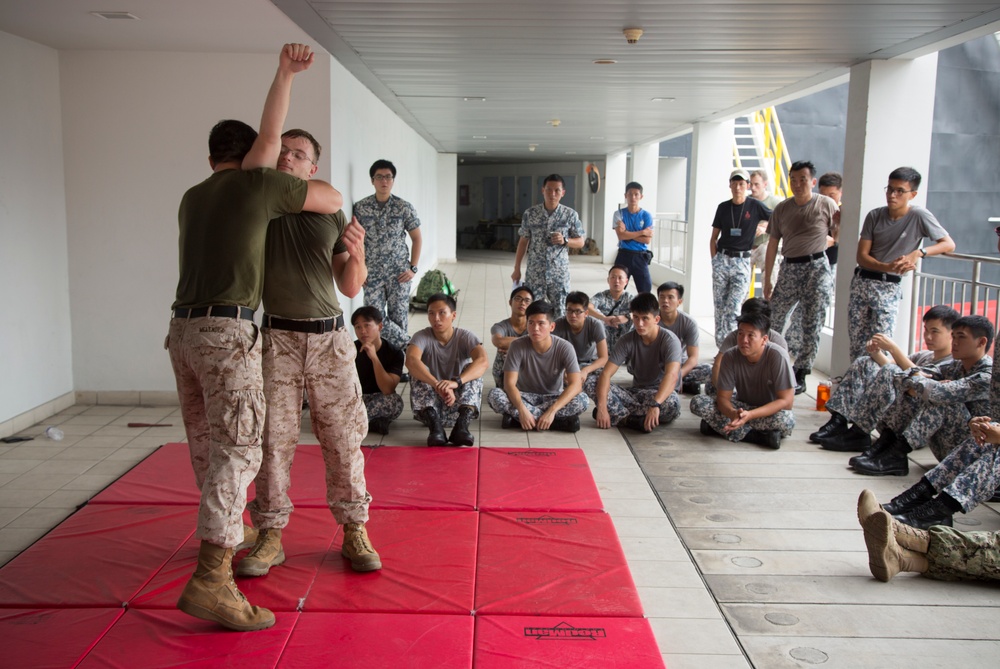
{"x": 547, "y": 232}
{"x": 387, "y": 220}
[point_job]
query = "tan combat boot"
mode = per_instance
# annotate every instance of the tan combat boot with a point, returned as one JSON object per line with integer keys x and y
{"x": 358, "y": 549}
{"x": 867, "y": 505}
{"x": 249, "y": 539}
{"x": 911, "y": 537}
{"x": 266, "y": 553}
{"x": 886, "y": 558}
{"x": 212, "y": 595}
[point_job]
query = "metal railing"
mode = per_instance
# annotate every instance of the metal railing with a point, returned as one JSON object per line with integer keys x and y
{"x": 669, "y": 244}
{"x": 967, "y": 296}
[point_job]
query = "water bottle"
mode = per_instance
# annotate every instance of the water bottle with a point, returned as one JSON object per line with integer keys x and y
{"x": 54, "y": 433}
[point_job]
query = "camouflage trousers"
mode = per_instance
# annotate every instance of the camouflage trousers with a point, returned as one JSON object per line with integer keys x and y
{"x": 498, "y": 363}
{"x": 624, "y": 402}
{"x": 872, "y": 311}
{"x": 323, "y": 364}
{"x": 380, "y": 405}
{"x": 536, "y": 404}
{"x": 705, "y": 407}
{"x": 217, "y": 366}
{"x": 970, "y": 473}
{"x": 699, "y": 374}
{"x": 793, "y": 334}
{"x": 806, "y": 286}
{"x": 730, "y": 287}
{"x": 864, "y": 392}
{"x": 939, "y": 426}
{"x": 551, "y": 285}
{"x": 393, "y": 299}
{"x": 423, "y": 395}
{"x": 954, "y": 555}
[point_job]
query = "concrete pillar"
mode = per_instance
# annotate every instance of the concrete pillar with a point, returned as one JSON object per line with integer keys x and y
{"x": 447, "y": 206}
{"x": 613, "y": 188}
{"x": 890, "y": 115}
{"x": 646, "y": 170}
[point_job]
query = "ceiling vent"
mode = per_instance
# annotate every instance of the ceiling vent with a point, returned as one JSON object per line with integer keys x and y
{"x": 115, "y": 15}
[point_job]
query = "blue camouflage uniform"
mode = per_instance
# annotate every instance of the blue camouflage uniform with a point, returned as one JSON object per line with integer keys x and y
{"x": 548, "y": 264}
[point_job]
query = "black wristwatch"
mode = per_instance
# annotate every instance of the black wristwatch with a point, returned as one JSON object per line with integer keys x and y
{"x": 413, "y": 268}
{"x": 923, "y": 254}
{"x": 458, "y": 380}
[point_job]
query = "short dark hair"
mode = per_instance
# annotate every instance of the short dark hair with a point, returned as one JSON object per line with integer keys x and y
{"x": 553, "y": 177}
{"x": 447, "y": 299}
{"x": 671, "y": 285}
{"x": 907, "y": 174}
{"x": 831, "y": 180}
{"x": 756, "y": 305}
{"x": 541, "y": 307}
{"x": 978, "y": 326}
{"x": 633, "y": 184}
{"x": 622, "y": 268}
{"x": 803, "y": 165}
{"x": 757, "y": 320}
{"x": 578, "y": 297}
{"x": 299, "y": 132}
{"x": 366, "y": 313}
{"x": 943, "y": 313}
{"x": 230, "y": 140}
{"x": 523, "y": 288}
{"x": 644, "y": 303}
{"x": 381, "y": 164}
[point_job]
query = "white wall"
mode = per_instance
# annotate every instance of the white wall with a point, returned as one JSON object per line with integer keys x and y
{"x": 35, "y": 337}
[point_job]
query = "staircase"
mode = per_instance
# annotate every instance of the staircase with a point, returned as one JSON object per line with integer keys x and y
{"x": 758, "y": 144}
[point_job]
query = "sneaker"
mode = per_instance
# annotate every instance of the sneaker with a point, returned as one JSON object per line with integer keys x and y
{"x": 358, "y": 549}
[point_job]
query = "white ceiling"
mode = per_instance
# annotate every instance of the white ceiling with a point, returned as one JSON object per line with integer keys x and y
{"x": 532, "y": 60}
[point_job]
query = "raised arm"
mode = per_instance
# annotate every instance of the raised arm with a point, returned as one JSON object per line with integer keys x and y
{"x": 349, "y": 269}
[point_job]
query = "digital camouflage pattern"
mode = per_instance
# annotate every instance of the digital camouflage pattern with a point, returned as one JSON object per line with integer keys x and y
{"x": 704, "y": 406}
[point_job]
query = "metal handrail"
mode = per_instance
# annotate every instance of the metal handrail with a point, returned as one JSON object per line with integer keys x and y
{"x": 930, "y": 289}
{"x": 670, "y": 242}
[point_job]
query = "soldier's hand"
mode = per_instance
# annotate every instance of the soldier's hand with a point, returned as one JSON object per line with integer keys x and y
{"x": 544, "y": 422}
{"x": 354, "y": 239}
{"x": 603, "y": 418}
{"x": 296, "y": 57}
{"x": 527, "y": 420}
{"x": 652, "y": 418}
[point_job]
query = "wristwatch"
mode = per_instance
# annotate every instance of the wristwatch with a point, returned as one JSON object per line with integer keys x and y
{"x": 458, "y": 380}
{"x": 923, "y": 254}
{"x": 413, "y": 268}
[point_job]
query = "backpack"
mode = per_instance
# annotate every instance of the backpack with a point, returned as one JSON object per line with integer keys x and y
{"x": 433, "y": 281}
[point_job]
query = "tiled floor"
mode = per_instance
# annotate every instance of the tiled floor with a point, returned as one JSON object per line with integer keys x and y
{"x": 743, "y": 556}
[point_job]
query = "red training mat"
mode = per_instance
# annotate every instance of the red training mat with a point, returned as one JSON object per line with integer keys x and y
{"x": 165, "y": 477}
{"x": 52, "y": 638}
{"x": 529, "y": 642}
{"x": 379, "y": 640}
{"x": 100, "y": 556}
{"x": 531, "y": 479}
{"x": 162, "y": 639}
{"x": 552, "y": 564}
{"x": 305, "y": 541}
{"x": 422, "y": 478}
{"x": 428, "y": 566}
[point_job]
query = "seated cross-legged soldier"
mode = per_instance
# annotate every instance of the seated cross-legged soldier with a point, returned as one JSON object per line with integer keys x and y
{"x": 671, "y": 297}
{"x": 380, "y": 366}
{"x": 611, "y": 306}
{"x": 934, "y": 412}
{"x": 533, "y": 394}
{"x": 867, "y": 388}
{"x": 654, "y": 356}
{"x": 503, "y": 333}
{"x": 756, "y": 389}
{"x": 446, "y": 368}
{"x": 585, "y": 333}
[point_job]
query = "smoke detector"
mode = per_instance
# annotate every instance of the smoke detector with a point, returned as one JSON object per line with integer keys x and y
{"x": 632, "y": 35}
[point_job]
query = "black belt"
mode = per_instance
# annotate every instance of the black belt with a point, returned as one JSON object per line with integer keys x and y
{"x": 223, "y": 311}
{"x": 312, "y": 327}
{"x": 735, "y": 254}
{"x": 877, "y": 276}
{"x": 798, "y": 259}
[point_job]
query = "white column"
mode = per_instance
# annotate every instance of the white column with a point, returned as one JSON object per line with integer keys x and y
{"x": 646, "y": 170}
{"x": 890, "y": 116}
{"x": 613, "y": 188}
{"x": 447, "y": 207}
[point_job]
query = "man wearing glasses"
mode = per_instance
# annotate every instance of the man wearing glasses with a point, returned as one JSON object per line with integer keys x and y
{"x": 888, "y": 248}
{"x": 387, "y": 220}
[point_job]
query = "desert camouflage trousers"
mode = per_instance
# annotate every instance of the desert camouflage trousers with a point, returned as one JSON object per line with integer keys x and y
{"x": 380, "y": 405}
{"x": 536, "y": 404}
{"x": 970, "y": 474}
{"x": 423, "y": 395}
{"x": 730, "y": 287}
{"x": 955, "y": 555}
{"x": 807, "y": 288}
{"x": 392, "y": 298}
{"x": 704, "y": 406}
{"x": 217, "y": 366}
{"x": 323, "y": 364}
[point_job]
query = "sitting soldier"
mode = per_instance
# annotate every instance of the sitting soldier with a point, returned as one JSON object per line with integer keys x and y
{"x": 533, "y": 394}
{"x": 750, "y": 305}
{"x": 504, "y": 333}
{"x": 585, "y": 333}
{"x": 380, "y": 366}
{"x": 671, "y": 297}
{"x": 611, "y": 306}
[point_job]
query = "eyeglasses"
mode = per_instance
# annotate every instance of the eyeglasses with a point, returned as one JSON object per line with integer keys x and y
{"x": 522, "y": 300}
{"x": 889, "y": 190}
{"x": 296, "y": 154}
{"x": 383, "y": 177}
{"x": 576, "y": 312}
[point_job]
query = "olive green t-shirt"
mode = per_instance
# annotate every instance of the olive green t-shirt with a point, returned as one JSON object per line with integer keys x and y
{"x": 223, "y": 222}
{"x": 298, "y": 274}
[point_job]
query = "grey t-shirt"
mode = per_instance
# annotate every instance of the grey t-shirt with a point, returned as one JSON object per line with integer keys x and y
{"x": 583, "y": 342}
{"x": 445, "y": 361}
{"x": 541, "y": 373}
{"x": 803, "y": 228}
{"x": 773, "y": 337}
{"x": 891, "y": 239}
{"x": 756, "y": 383}
{"x": 648, "y": 361}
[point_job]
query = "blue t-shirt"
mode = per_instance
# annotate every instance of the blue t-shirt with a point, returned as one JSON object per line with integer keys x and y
{"x": 640, "y": 220}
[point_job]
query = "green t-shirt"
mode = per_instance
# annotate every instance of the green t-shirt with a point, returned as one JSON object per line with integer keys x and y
{"x": 223, "y": 221}
{"x": 298, "y": 274}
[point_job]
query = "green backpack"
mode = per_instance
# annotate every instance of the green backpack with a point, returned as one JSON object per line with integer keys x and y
{"x": 433, "y": 281}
